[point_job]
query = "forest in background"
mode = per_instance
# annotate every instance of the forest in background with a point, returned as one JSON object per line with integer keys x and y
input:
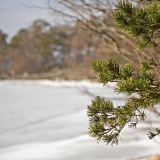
{"x": 44, "y": 51}
{"x": 67, "y": 51}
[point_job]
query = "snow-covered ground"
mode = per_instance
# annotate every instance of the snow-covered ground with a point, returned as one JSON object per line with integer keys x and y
{"x": 46, "y": 120}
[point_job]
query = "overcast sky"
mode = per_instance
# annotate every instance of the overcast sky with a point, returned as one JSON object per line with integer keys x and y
{"x": 14, "y": 14}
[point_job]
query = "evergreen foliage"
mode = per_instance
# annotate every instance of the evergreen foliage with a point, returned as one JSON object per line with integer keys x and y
{"x": 141, "y": 85}
{"x": 142, "y": 23}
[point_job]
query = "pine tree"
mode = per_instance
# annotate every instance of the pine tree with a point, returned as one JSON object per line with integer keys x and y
{"x": 142, "y": 85}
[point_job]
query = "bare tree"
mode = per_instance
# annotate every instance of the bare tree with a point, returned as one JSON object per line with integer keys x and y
{"x": 96, "y": 15}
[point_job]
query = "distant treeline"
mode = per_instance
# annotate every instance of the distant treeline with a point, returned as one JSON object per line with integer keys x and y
{"x": 45, "y": 48}
{"x": 67, "y": 51}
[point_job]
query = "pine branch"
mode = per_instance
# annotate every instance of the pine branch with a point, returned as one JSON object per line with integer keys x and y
{"x": 106, "y": 120}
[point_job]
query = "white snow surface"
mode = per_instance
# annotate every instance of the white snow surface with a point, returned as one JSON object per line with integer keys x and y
{"x": 47, "y": 120}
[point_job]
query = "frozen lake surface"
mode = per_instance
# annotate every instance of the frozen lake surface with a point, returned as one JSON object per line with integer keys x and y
{"x": 47, "y": 120}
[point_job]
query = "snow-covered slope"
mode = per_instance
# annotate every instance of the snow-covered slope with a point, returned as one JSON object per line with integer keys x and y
{"x": 46, "y": 120}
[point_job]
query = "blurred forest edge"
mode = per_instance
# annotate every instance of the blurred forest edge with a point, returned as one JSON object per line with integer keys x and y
{"x": 66, "y": 51}
{"x": 42, "y": 51}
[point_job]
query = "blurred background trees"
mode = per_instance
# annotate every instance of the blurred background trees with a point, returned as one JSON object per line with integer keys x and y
{"x": 44, "y": 48}
{"x": 68, "y": 48}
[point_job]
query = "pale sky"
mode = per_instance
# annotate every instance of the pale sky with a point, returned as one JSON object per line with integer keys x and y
{"x": 15, "y": 15}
